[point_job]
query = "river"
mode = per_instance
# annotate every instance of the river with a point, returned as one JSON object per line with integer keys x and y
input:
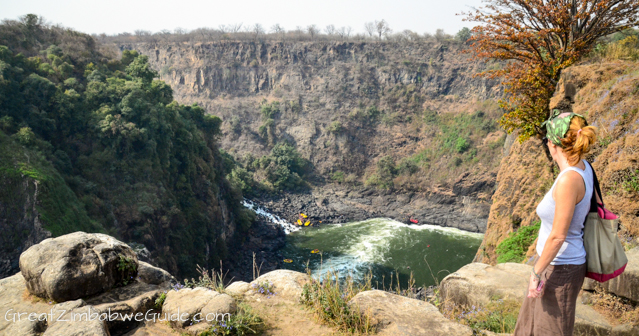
{"x": 381, "y": 246}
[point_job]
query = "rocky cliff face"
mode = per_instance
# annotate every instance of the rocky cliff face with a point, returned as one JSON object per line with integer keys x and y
{"x": 34, "y": 203}
{"x": 326, "y": 92}
{"x": 607, "y": 97}
{"x": 20, "y": 226}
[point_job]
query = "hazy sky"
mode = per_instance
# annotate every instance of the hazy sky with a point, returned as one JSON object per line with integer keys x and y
{"x": 116, "y": 16}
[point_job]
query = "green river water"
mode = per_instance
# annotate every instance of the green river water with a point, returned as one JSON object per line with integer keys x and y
{"x": 383, "y": 247}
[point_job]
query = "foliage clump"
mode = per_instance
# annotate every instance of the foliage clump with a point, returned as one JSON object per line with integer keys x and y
{"x": 498, "y": 316}
{"x": 538, "y": 40}
{"x": 514, "y": 248}
{"x": 328, "y": 299}
{"x": 128, "y": 269}
{"x": 244, "y": 322}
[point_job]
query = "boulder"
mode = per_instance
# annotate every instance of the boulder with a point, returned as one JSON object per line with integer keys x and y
{"x": 286, "y": 284}
{"x": 218, "y": 307}
{"x": 26, "y": 327}
{"x": 192, "y": 309}
{"x": 625, "y": 285}
{"x": 14, "y": 299}
{"x": 81, "y": 321}
{"x": 137, "y": 298}
{"x": 477, "y": 284}
{"x": 589, "y": 322}
{"x": 75, "y": 265}
{"x": 398, "y": 315}
{"x": 625, "y": 330}
{"x": 238, "y": 288}
{"x": 153, "y": 275}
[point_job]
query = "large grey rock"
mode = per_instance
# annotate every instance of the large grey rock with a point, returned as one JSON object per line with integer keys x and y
{"x": 192, "y": 309}
{"x": 397, "y": 315}
{"x": 625, "y": 330}
{"x": 27, "y": 327}
{"x": 153, "y": 275}
{"x": 82, "y": 321}
{"x": 589, "y": 322}
{"x": 15, "y": 299}
{"x": 219, "y": 305}
{"x": 135, "y": 299}
{"x": 477, "y": 284}
{"x": 74, "y": 265}
{"x": 286, "y": 284}
{"x": 625, "y": 285}
{"x": 238, "y": 288}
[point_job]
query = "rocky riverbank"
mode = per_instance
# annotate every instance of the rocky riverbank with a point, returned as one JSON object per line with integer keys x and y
{"x": 459, "y": 207}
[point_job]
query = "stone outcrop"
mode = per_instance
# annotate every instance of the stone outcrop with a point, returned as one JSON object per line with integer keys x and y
{"x": 150, "y": 274}
{"x": 194, "y": 310}
{"x": 76, "y": 265}
{"x": 80, "y": 271}
{"x": 478, "y": 284}
{"x": 287, "y": 284}
{"x": 396, "y": 315}
{"x": 14, "y": 298}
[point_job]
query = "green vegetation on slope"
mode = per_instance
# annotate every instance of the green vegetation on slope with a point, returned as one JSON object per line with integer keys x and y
{"x": 281, "y": 170}
{"x": 145, "y": 168}
{"x": 514, "y": 248}
{"x": 458, "y": 143}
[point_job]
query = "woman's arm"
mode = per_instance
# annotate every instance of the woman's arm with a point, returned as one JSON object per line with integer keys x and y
{"x": 566, "y": 195}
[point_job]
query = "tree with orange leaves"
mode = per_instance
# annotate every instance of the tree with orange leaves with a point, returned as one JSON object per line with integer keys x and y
{"x": 538, "y": 39}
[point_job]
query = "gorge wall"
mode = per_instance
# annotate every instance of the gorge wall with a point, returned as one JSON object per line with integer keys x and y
{"x": 345, "y": 106}
{"x": 607, "y": 97}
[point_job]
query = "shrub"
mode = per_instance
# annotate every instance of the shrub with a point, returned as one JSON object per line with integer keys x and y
{"x": 241, "y": 179}
{"x": 213, "y": 280}
{"x": 407, "y": 167}
{"x": 244, "y": 322}
{"x": 26, "y": 136}
{"x": 236, "y": 125}
{"x": 264, "y": 288}
{"x": 513, "y": 248}
{"x": 328, "y": 299}
{"x": 631, "y": 184}
{"x": 159, "y": 302}
{"x": 335, "y": 127}
{"x": 497, "y": 316}
{"x": 338, "y": 176}
{"x": 384, "y": 173}
{"x": 461, "y": 145}
{"x": 128, "y": 270}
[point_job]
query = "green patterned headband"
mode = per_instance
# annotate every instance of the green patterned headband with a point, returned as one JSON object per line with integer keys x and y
{"x": 558, "y": 124}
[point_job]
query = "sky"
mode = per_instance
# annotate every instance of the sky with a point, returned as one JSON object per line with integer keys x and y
{"x": 117, "y": 16}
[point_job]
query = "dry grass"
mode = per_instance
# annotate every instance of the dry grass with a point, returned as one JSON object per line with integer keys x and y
{"x": 615, "y": 309}
{"x": 499, "y": 316}
{"x": 328, "y": 300}
{"x": 26, "y": 296}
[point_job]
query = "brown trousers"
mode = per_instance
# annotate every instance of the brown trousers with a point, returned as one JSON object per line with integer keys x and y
{"x": 553, "y": 313}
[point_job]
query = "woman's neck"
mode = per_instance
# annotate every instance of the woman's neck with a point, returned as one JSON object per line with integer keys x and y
{"x": 562, "y": 162}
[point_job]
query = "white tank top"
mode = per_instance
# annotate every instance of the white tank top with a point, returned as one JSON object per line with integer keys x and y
{"x": 572, "y": 251}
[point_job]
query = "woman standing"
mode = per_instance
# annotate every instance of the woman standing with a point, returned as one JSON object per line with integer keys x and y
{"x": 557, "y": 277}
